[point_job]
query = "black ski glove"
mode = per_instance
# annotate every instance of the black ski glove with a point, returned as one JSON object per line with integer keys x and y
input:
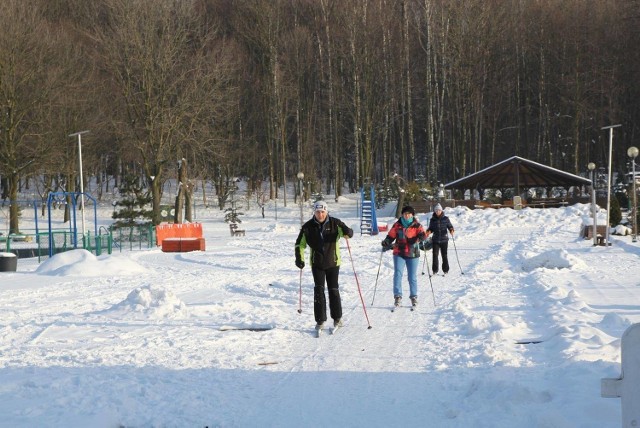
{"x": 350, "y": 233}
{"x": 299, "y": 264}
{"x": 426, "y": 245}
{"x": 386, "y": 245}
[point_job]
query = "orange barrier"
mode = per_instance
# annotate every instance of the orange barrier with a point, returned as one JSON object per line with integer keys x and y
{"x": 181, "y": 230}
{"x": 182, "y": 245}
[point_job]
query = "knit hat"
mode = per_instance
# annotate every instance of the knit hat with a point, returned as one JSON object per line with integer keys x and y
{"x": 438, "y": 207}
{"x": 408, "y": 209}
{"x": 320, "y": 206}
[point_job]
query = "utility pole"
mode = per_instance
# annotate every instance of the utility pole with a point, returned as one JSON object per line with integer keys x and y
{"x": 610, "y": 128}
{"x": 79, "y": 135}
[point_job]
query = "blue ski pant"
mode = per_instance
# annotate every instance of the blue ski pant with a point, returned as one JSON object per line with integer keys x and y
{"x": 399, "y": 264}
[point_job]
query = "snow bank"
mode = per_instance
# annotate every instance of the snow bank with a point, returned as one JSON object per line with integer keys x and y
{"x": 152, "y": 302}
{"x": 83, "y": 263}
{"x": 554, "y": 259}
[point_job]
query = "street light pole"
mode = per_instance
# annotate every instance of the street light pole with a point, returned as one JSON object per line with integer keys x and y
{"x": 610, "y": 128}
{"x": 79, "y": 134}
{"x": 594, "y": 214}
{"x": 633, "y": 153}
{"x": 300, "y": 184}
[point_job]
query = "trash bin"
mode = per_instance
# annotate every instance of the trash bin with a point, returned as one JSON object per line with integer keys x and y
{"x": 8, "y": 262}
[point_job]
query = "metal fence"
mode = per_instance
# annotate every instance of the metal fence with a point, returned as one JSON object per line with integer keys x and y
{"x": 137, "y": 237}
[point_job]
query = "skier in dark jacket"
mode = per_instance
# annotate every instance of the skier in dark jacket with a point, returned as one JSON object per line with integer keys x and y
{"x": 321, "y": 234}
{"x": 438, "y": 226}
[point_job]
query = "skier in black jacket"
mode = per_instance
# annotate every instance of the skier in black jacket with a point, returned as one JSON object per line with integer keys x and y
{"x": 438, "y": 225}
{"x": 321, "y": 234}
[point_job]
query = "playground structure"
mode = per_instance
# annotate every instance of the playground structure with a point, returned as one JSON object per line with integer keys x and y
{"x": 59, "y": 236}
{"x": 368, "y": 218}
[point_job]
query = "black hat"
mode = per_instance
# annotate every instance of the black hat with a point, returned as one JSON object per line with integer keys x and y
{"x": 408, "y": 209}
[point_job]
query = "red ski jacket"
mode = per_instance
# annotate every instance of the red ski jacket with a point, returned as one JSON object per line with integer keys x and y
{"x": 407, "y": 239}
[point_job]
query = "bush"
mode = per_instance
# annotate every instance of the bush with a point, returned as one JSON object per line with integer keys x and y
{"x": 412, "y": 192}
{"x": 615, "y": 216}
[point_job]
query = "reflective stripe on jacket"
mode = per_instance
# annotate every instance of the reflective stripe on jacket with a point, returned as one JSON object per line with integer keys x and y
{"x": 322, "y": 240}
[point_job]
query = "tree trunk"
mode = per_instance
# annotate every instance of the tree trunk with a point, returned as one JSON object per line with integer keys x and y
{"x": 180, "y": 196}
{"x": 411, "y": 162}
{"x": 14, "y": 211}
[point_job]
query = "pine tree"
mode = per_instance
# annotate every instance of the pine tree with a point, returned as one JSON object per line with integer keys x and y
{"x": 232, "y": 215}
{"x": 135, "y": 203}
{"x": 616, "y": 215}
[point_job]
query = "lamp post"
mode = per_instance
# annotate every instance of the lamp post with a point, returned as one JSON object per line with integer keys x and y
{"x": 592, "y": 168}
{"x": 300, "y": 184}
{"x": 633, "y": 153}
{"x": 610, "y": 128}
{"x": 79, "y": 134}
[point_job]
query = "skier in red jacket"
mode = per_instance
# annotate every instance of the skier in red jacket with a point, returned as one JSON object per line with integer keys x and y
{"x": 407, "y": 232}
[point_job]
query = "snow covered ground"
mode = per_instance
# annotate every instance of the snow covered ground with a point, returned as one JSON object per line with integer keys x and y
{"x": 522, "y": 330}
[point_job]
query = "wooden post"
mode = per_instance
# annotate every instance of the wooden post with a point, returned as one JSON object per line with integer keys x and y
{"x": 517, "y": 203}
{"x": 627, "y": 386}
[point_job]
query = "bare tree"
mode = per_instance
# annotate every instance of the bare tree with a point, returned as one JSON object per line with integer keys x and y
{"x": 158, "y": 53}
{"x": 35, "y": 59}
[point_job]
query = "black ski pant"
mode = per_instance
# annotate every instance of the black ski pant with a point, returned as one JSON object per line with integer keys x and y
{"x": 319, "y": 299}
{"x": 440, "y": 247}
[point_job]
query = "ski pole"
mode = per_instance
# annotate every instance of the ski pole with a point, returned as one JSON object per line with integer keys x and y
{"x": 456, "y": 250}
{"x": 376, "y": 284}
{"x": 358, "y": 283}
{"x": 424, "y": 261}
{"x": 430, "y": 283}
{"x": 300, "y": 295}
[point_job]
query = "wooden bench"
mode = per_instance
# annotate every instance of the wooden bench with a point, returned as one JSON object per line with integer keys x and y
{"x": 426, "y": 207}
{"x": 587, "y": 231}
{"x": 182, "y": 245}
{"x": 547, "y": 203}
{"x": 233, "y": 228}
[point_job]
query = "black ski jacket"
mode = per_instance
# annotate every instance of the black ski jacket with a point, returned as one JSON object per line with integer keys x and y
{"x": 322, "y": 240}
{"x": 439, "y": 226}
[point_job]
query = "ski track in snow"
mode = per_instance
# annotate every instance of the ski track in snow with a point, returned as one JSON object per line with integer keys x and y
{"x": 471, "y": 320}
